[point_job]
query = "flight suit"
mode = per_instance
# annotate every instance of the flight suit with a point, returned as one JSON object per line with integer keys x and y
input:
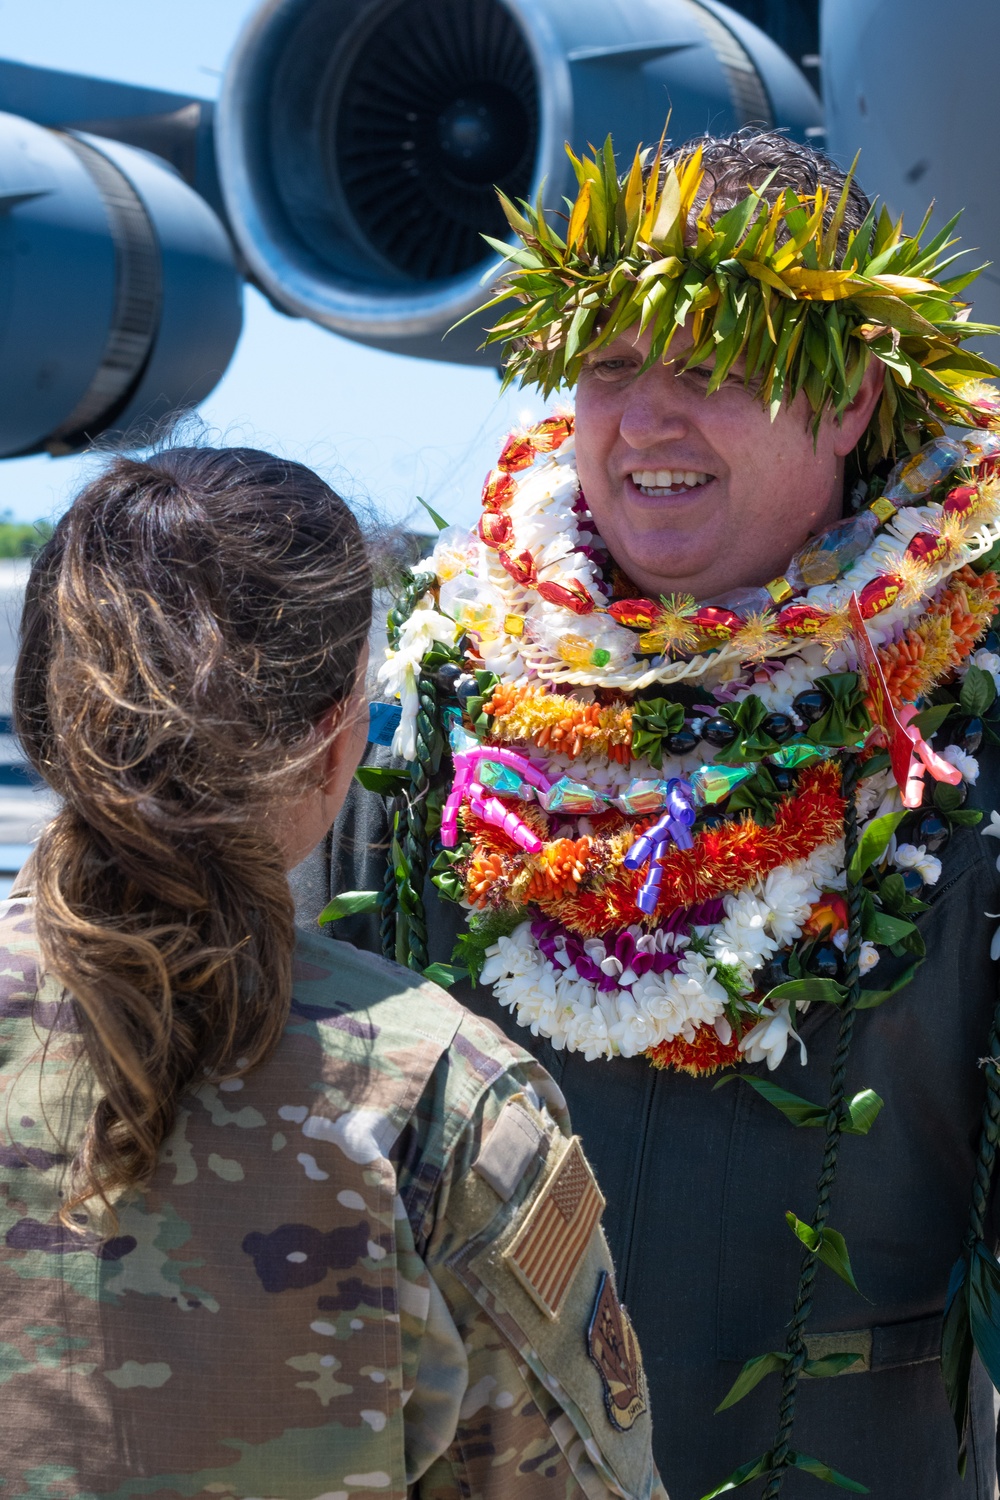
{"x": 699, "y": 1182}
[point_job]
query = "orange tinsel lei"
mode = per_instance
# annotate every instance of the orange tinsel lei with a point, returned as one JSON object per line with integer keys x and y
{"x": 704, "y": 1054}
{"x": 598, "y": 894}
{"x": 733, "y": 855}
{"x": 723, "y": 859}
{"x": 555, "y": 722}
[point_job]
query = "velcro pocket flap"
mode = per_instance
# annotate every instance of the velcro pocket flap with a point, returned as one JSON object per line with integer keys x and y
{"x": 510, "y": 1148}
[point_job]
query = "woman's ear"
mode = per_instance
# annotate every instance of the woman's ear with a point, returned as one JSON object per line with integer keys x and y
{"x": 850, "y": 426}
{"x": 346, "y": 725}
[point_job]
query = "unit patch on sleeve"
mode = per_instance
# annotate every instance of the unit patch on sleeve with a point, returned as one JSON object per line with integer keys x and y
{"x": 545, "y": 1253}
{"x": 613, "y": 1348}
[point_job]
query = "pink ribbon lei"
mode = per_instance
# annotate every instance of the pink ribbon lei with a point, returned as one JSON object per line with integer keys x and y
{"x": 490, "y": 809}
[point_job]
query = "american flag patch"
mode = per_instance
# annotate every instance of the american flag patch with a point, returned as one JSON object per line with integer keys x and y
{"x": 548, "y": 1248}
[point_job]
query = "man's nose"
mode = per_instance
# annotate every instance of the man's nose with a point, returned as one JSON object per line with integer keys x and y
{"x": 653, "y": 412}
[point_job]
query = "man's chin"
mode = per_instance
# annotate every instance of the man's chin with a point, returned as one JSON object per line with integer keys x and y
{"x": 660, "y": 561}
{"x": 668, "y": 574}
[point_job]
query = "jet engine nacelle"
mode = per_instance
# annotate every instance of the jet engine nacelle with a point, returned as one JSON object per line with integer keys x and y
{"x": 359, "y": 141}
{"x": 120, "y": 300}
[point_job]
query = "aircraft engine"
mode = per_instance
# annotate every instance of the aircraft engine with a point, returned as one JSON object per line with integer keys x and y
{"x": 120, "y": 300}
{"x": 359, "y": 140}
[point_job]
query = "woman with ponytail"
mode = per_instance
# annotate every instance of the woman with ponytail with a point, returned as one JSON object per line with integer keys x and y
{"x": 268, "y": 1206}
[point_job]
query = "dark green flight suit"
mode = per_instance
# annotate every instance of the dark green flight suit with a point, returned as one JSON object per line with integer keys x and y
{"x": 698, "y": 1183}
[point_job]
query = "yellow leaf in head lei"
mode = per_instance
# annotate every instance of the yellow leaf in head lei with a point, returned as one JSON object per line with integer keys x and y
{"x": 764, "y": 282}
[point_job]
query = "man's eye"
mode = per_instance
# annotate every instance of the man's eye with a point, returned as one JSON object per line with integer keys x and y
{"x": 610, "y": 369}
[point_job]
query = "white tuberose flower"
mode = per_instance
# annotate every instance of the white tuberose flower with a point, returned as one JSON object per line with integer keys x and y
{"x": 398, "y": 673}
{"x": 789, "y": 893}
{"x": 915, "y": 857}
{"x": 769, "y": 1038}
{"x": 966, "y": 763}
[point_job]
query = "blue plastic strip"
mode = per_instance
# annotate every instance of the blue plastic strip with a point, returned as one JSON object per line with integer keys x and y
{"x": 383, "y": 721}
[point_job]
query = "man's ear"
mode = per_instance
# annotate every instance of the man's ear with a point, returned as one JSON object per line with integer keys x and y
{"x": 850, "y": 427}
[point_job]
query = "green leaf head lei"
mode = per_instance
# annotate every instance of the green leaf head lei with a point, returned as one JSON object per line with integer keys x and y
{"x": 774, "y": 284}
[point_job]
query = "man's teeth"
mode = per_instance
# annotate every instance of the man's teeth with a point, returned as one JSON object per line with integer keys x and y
{"x": 665, "y": 481}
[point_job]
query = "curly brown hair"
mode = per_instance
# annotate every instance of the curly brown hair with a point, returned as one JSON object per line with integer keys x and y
{"x": 749, "y": 157}
{"x": 188, "y": 624}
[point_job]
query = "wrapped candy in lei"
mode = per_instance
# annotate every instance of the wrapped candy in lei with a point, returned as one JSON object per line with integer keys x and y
{"x": 640, "y": 803}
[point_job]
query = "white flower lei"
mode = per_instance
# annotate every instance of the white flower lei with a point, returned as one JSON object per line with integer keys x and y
{"x": 557, "y": 1003}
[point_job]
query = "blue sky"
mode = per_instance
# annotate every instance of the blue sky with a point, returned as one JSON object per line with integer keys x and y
{"x": 381, "y": 427}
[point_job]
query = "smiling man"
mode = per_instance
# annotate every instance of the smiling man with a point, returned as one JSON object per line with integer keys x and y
{"x": 695, "y": 743}
{"x": 671, "y": 478}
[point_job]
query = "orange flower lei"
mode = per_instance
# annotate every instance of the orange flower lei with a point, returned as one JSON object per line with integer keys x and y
{"x": 932, "y": 649}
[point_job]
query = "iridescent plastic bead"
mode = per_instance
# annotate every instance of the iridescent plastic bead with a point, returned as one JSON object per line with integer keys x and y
{"x": 499, "y": 778}
{"x": 459, "y": 738}
{"x": 789, "y": 757}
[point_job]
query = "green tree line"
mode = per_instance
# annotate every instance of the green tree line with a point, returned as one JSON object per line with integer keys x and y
{"x": 21, "y": 538}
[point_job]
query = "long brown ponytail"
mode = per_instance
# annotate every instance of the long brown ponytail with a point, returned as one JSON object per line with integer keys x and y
{"x": 185, "y": 628}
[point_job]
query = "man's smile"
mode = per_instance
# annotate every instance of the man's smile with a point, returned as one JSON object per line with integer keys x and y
{"x": 659, "y": 483}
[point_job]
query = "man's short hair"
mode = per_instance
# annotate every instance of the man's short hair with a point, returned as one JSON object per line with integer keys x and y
{"x": 733, "y": 164}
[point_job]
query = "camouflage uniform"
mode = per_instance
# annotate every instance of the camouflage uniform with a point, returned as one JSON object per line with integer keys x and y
{"x": 370, "y": 1268}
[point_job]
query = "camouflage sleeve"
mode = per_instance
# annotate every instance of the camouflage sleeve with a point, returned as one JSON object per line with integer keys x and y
{"x": 546, "y": 1386}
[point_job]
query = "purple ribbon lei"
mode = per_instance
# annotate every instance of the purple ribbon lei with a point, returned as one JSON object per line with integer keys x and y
{"x": 651, "y": 847}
